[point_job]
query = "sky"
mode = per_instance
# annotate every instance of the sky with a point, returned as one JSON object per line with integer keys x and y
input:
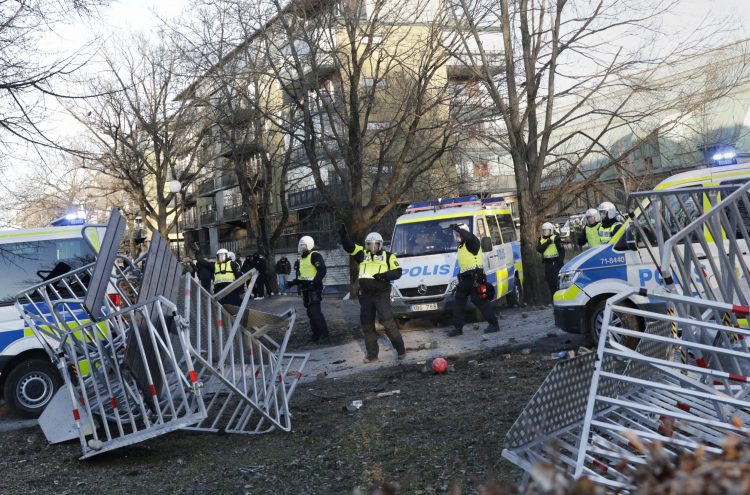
{"x": 119, "y": 21}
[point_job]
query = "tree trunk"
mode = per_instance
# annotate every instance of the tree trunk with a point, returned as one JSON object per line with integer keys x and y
{"x": 535, "y": 287}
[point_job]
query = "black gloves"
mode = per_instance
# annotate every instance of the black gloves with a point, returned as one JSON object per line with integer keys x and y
{"x": 343, "y": 233}
{"x": 380, "y": 277}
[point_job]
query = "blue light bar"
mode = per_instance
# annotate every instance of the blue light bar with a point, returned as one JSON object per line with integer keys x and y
{"x": 458, "y": 201}
{"x": 493, "y": 199}
{"x": 77, "y": 218}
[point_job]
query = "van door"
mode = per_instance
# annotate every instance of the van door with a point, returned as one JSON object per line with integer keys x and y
{"x": 489, "y": 258}
{"x": 504, "y": 251}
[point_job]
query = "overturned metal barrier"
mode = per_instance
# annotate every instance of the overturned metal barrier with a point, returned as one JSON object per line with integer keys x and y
{"x": 248, "y": 376}
{"x": 683, "y": 379}
{"x": 137, "y": 357}
{"x": 592, "y": 411}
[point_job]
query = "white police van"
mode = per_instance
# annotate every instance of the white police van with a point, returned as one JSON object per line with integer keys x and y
{"x": 426, "y": 250}
{"x": 28, "y": 379}
{"x": 589, "y": 279}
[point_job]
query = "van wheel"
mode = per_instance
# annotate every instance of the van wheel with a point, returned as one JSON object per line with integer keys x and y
{"x": 30, "y": 386}
{"x": 514, "y": 298}
{"x": 596, "y": 320}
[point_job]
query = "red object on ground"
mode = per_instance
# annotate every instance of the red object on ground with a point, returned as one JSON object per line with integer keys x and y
{"x": 439, "y": 365}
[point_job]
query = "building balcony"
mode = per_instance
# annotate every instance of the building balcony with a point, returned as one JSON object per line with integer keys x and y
{"x": 233, "y": 213}
{"x": 189, "y": 220}
{"x": 225, "y": 179}
{"x": 466, "y": 64}
{"x": 242, "y": 143}
{"x": 240, "y": 247}
{"x": 207, "y": 218}
{"x": 307, "y": 198}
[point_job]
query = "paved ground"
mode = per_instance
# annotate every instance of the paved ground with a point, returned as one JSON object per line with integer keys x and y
{"x": 521, "y": 328}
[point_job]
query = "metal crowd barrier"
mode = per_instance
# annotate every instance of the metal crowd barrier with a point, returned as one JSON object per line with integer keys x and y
{"x": 137, "y": 358}
{"x": 685, "y": 384}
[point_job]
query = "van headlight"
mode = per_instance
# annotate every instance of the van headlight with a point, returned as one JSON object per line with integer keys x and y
{"x": 452, "y": 286}
{"x": 394, "y": 292}
{"x": 567, "y": 279}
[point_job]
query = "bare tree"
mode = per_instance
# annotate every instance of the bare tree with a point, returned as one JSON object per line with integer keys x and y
{"x": 140, "y": 136}
{"x": 576, "y": 77}
{"x": 29, "y": 75}
{"x": 368, "y": 104}
{"x": 233, "y": 91}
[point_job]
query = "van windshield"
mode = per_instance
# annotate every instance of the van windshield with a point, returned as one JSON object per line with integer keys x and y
{"x": 428, "y": 237}
{"x": 24, "y": 264}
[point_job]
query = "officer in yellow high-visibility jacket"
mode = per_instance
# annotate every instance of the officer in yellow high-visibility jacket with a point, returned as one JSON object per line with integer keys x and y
{"x": 470, "y": 278}
{"x": 590, "y": 233}
{"x": 311, "y": 270}
{"x": 553, "y": 254}
{"x": 226, "y": 271}
{"x": 377, "y": 269}
{"x": 610, "y": 223}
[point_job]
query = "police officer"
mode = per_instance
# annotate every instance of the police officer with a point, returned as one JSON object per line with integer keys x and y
{"x": 312, "y": 270}
{"x": 590, "y": 233}
{"x": 377, "y": 268}
{"x": 471, "y": 279}
{"x": 610, "y": 223}
{"x": 226, "y": 271}
{"x": 553, "y": 252}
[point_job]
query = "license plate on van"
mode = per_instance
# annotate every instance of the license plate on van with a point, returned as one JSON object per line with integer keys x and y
{"x": 423, "y": 307}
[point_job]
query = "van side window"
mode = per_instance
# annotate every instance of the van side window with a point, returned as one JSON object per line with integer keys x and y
{"x": 481, "y": 229}
{"x": 744, "y": 213}
{"x": 497, "y": 239}
{"x": 507, "y": 228}
{"x": 24, "y": 264}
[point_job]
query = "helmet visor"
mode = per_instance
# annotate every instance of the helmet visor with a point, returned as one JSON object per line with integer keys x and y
{"x": 221, "y": 257}
{"x": 374, "y": 246}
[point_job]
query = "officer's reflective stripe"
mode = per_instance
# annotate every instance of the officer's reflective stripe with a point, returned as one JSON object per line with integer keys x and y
{"x": 373, "y": 264}
{"x": 551, "y": 251}
{"x": 307, "y": 270}
{"x": 592, "y": 236}
{"x": 223, "y": 273}
{"x": 605, "y": 233}
{"x": 468, "y": 261}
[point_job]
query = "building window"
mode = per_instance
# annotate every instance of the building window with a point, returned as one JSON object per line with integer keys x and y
{"x": 481, "y": 169}
{"x": 377, "y": 126}
{"x": 375, "y": 40}
{"x": 380, "y": 83}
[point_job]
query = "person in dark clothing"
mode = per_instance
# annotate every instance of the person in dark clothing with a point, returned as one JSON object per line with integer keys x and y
{"x": 471, "y": 277}
{"x": 551, "y": 248}
{"x": 377, "y": 269}
{"x": 205, "y": 270}
{"x": 283, "y": 270}
{"x": 312, "y": 271}
{"x": 226, "y": 271}
{"x": 247, "y": 265}
{"x": 188, "y": 266}
{"x": 262, "y": 284}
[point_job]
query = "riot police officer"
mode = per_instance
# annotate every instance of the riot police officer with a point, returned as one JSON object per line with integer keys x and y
{"x": 472, "y": 281}
{"x": 590, "y": 233}
{"x": 377, "y": 269}
{"x": 312, "y": 271}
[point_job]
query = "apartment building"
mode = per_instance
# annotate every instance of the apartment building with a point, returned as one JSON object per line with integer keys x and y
{"x": 318, "y": 55}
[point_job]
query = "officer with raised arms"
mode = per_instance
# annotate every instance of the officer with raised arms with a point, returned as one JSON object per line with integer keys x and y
{"x": 377, "y": 269}
{"x": 472, "y": 281}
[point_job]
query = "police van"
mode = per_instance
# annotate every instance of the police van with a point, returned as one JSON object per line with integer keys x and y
{"x": 426, "y": 250}
{"x": 589, "y": 279}
{"x": 28, "y": 379}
